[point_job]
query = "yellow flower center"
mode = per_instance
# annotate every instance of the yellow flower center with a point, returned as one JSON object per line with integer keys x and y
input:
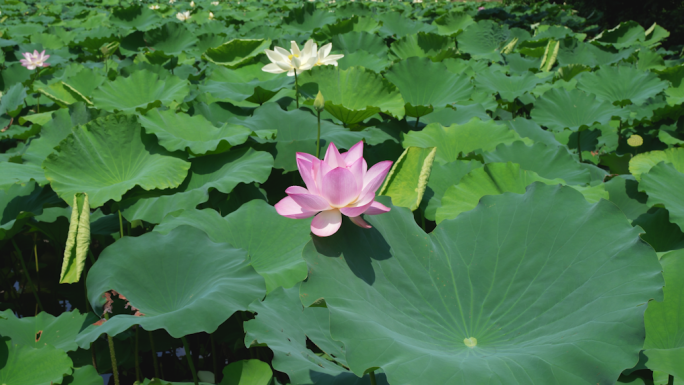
{"x": 291, "y": 56}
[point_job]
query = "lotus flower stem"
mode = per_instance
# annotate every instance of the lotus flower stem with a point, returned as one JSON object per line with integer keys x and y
{"x": 137, "y": 358}
{"x": 318, "y": 138}
{"x": 417, "y": 120}
{"x": 213, "y": 357}
{"x": 189, "y": 357}
{"x": 579, "y": 145}
{"x": 112, "y": 354}
{"x": 92, "y": 356}
{"x": 372, "y": 378}
{"x": 28, "y": 277}
{"x": 296, "y": 89}
{"x": 154, "y": 357}
{"x": 121, "y": 225}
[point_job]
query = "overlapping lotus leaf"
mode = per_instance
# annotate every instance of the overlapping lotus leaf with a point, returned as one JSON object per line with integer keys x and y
{"x": 642, "y": 163}
{"x": 139, "y": 91}
{"x": 573, "y": 51}
{"x": 236, "y": 52}
{"x": 624, "y": 35}
{"x": 622, "y": 84}
{"x": 355, "y": 94}
{"x": 559, "y": 109}
{"x": 26, "y": 365}
{"x": 452, "y": 23}
{"x": 484, "y": 39}
{"x": 423, "y": 44}
{"x": 109, "y": 156}
{"x": 354, "y": 24}
{"x": 170, "y": 38}
{"x": 246, "y": 83}
{"x": 43, "y": 329}
{"x": 354, "y": 41}
{"x": 85, "y": 375}
{"x": 12, "y": 173}
{"x": 509, "y": 87}
{"x": 425, "y": 85}
{"x": 547, "y": 161}
{"x": 12, "y": 99}
{"x": 277, "y": 258}
{"x": 180, "y": 131}
{"x": 659, "y": 232}
{"x": 664, "y": 323}
{"x": 135, "y": 17}
{"x": 457, "y": 139}
{"x": 397, "y": 25}
{"x": 442, "y": 177}
{"x": 247, "y": 372}
{"x": 20, "y": 202}
{"x": 663, "y": 183}
{"x": 675, "y": 93}
{"x": 217, "y": 280}
{"x": 364, "y": 59}
{"x": 307, "y": 18}
{"x": 518, "y": 291}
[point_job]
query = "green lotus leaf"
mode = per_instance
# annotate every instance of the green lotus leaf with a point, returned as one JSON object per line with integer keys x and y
{"x": 529, "y": 129}
{"x": 354, "y": 24}
{"x": 85, "y": 375}
{"x": 246, "y": 83}
{"x": 11, "y": 173}
{"x": 484, "y": 40}
{"x": 442, "y": 177}
{"x": 622, "y": 84}
{"x": 355, "y": 94}
{"x": 217, "y": 281}
{"x": 642, "y": 163}
{"x": 663, "y": 183}
{"x": 43, "y": 329}
{"x": 61, "y": 93}
{"x": 284, "y": 324}
{"x": 21, "y": 202}
{"x": 139, "y": 91}
{"x": 109, "y": 156}
{"x": 425, "y": 85}
{"x": 138, "y": 17}
{"x": 399, "y": 25}
{"x": 25, "y": 365}
{"x": 624, "y": 35}
{"x": 84, "y": 82}
{"x": 236, "y": 52}
{"x": 296, "y": 131}
{"x": 558, "y": 109}
{"x": 547, "y": 161}
{"x": 278, "y": 257}
{"x": 509, "y": 87}
{"x": 675, "y": 93}
{"x": 660, "y": 233}
{"x": 408, "y": 178}
{"x": 461, "y": 115}
{"x": 52, "y": 133}
{"x": 221, "y": 172}
{"x": 517, "y": 291}
{"x": 573, "y": 51}
{"x": 624, "y": 192}
{"x": 12, "y": 100}
{"x": 354, "y": 41}
{"x": 460, "y": 139}
{"x": 423, "y": 44}
{"x": 247, "y": 372}
{"x": 307, "y": 18}
{"x": 452, "y": 23}
{"x": 664, "y": 322}
{"x": 180, "y": 131}
{"x": 649, "y": 60}
{"x": 362, "y": 58}
{"x": 171, "y": 38}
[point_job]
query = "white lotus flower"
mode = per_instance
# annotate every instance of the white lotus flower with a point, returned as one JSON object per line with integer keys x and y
{"x": 183, "y": 16}
{"x": 214, "y": 3}
{"x": 172, "y": 1}
{"x": 324, "y": 57}
{"x": 211, "y": 15}
{"x": 155, "y": 6}
{"x": 295, "y": 60}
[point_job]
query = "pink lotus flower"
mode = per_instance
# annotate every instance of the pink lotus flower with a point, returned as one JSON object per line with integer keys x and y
{"x": 35, "y": 59}
{"x": 481, "y": 8}
{"x": 338, "y": 184}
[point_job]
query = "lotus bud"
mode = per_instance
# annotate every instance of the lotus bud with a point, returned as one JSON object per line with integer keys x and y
{"x": 319, "y": 102}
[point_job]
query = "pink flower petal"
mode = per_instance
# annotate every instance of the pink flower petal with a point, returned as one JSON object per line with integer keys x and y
{"x": 355, "y": 211}
{"x": 355, "y": 153}
{"x": 310, "y": 202}
{"x": 296, "y": 190}
{"x": 306, "y": 170}
{"x": 375, "y": 176}
{"x": 287, "y": 207}
{"x": 377, "y": 208}
{"x": 333, "y": 157}
{"x": 360, "y": 222}
{"x": 339, "y": 187}
{"x": 358, "y": 168}
{"x": 326, "y": 223}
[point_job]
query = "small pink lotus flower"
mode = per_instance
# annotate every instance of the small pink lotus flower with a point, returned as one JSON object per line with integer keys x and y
{"x": 33, "y": 60}
{"x": 338, "y": 184}
{"x": 481, "y": 8}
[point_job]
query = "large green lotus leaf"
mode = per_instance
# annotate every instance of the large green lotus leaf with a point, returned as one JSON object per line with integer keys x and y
{"x": 623, "y": 190}
{"x": 139, "y": 91}
{"x": 452, "y": 23}
{"x": 660, "y": 233}
{"x": 624, "y": 35}
{"x": 61, "y": 93}
{"x": 171, "y": 38}
{"x": 527, "y": 128}
{"x": 547, "y": 161}
{"x": 442, "y": 177}
{"x": 85, "y": 375}
{"x": 398, "y": 25}
{"x": 307, "y": 18}
{"x": 109, "y": 156}
{"x": 284, "y": 324}
{"x": 11, "y": 173}
{"x": 484, "y": 39}
{"x": 184, "y": 283}
{"x": 236, "y": 52}
{"x": 663, "y": 183}
{"x": 509, "y": 87}
{"x": 573, "y": 51}
{"x": 460, "y": 139}
{"x": 12, "y": 99}
{"x": 461, "y": 115}
{"x": 247, "y": 372}
{"x": 644, "y": 162}
{"x": 664, "y": 345}
{"x": 360, "y": 41}
{"x": 296, "y": 131}
{"x": 558, "y": 109}
{"x": 423, "y": 44}
{"x": 43, "y": 329}
{"x": 518, "y": 291}
{"x": 138, "y": 17}
{"x": 355, "y": 94}
{"x": 622, "y": 84}
{"x": 408, "y": 178}
{"x": 221, "y": 172}
{"x": 246, "y": 83}
{"x": 425, "y": 85}
{"x": 675, "y": 93}
{"x": 365, "y": 59}
{"x": 21, "y": 202}
{"x": 23, "y": 364}
{"x": 180, "y": 131}
{"x": 277, "y": 257}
